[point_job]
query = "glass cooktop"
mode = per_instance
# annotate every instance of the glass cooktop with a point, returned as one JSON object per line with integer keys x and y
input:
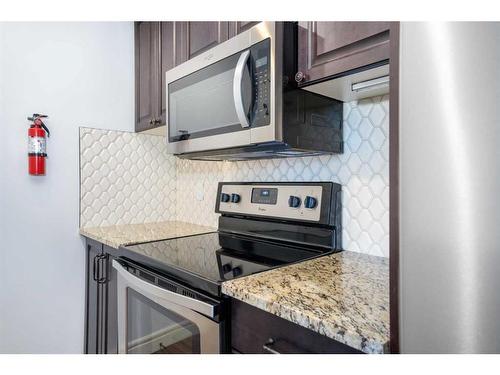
{"x": 205, "y": 261}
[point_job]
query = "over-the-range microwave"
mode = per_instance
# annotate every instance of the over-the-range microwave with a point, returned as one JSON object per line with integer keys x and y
{"x": 239, "y": 100}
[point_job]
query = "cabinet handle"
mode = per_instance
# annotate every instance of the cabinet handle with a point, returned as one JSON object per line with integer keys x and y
{"x": 95, "y": 265}
{"x": 282, "y": 346}
{"x": 267, "y": 347}
{"x": 96, "y": 272}
{"x": 102, "y": 279}
{"x": 299, "y": 77}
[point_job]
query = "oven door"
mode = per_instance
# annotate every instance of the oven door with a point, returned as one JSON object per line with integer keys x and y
{"x": 224, "y": 97}
{"x": 154, "y": 320}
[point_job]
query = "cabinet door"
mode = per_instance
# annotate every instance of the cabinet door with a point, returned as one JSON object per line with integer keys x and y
{"x": 146, "y": 74}
{"x": 238, "y": 27}
{"x": 93, "y": 298}
{"x": 194, "y": 38}
{"x": 110, "y": 327}
{"x": 330, "y": 48}
{"x": 255, "y": 331}
{"x": 167, "y": 62}
{"x": 101, "y": 317}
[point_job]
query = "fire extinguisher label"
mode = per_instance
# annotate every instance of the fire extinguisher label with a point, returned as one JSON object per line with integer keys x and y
{"x": 37, "y": 145}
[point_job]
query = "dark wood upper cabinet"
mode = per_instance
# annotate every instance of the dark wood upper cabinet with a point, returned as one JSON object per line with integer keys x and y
{"x": 329, "y": 48}
{"x": 238, "y": 27}
{"x": 167, "y": 62}
{"x": 325, "y": 49}
{"x": 160, "y": 46}
{"x": 154, "y": 55}
{"x": 194, "y": 38}
{"x": 146, "y": 74}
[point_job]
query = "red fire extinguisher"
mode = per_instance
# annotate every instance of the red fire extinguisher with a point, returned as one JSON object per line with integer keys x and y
{"x": 37, "y": 145}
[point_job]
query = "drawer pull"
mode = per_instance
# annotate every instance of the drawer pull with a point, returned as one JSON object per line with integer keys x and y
{"x": 267, "y": 347}
{"x": 282, "y": 346}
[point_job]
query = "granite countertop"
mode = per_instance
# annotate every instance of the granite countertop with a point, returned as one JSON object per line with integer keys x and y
{"x": 344, "y": 296}
{"x": 122, "y": 235}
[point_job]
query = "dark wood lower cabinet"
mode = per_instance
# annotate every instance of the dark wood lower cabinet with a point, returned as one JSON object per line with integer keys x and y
{"x": 111, "y": 306}
{"x": 92, "y": 298}
{"x": 255, "y": 331}
{"x": 101, "y": 328}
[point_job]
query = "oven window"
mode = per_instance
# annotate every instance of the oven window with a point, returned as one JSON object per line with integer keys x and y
{"x": 153, "y": 329}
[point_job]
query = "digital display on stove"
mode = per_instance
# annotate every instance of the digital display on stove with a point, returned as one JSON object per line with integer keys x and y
{"x": 264, "y": 195}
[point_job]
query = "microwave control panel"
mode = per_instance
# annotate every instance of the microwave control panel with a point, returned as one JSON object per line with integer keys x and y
{"x": 260, "y": 53}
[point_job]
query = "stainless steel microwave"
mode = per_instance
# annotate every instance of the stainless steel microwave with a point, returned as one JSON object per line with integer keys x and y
{"x": 239, "y": 101}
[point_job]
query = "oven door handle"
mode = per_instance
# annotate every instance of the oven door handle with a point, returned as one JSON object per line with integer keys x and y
{"x": 237, "y": 93}
{"x": 190, "y": 303}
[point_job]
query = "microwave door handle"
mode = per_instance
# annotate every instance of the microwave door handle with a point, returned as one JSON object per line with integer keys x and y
{"x": 237, "y": 93}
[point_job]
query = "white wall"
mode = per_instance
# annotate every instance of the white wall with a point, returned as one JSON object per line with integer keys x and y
{"x": 80, "y": 74}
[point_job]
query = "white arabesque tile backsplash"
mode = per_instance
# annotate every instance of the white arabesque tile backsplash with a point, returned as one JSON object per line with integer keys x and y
{"x": 362, "y": 170}
{"x": 125, "y": 178}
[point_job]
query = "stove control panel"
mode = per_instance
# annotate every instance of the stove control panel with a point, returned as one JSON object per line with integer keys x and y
{"x": 296, "y": 201}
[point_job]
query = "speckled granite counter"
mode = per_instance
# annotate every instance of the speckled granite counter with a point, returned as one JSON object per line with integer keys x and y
{"x": 121, "y": 235}
{"x": 344, "y": 296}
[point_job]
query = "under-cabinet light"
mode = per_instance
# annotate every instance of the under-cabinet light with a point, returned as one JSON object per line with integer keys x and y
{"x": 370, "y": 84}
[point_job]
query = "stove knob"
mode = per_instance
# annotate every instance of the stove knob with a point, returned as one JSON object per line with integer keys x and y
{"x": 226, "y": 268}
{"x": 235, "y": 198}
{"x": 293, "y": 201}
{"x": 224, "y": 197}
{"x": 237, "y": 271}
{"x": 310, "y": 202}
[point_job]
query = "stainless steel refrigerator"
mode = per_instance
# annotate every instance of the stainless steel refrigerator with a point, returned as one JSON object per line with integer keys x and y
{"x": 450, "y": 187}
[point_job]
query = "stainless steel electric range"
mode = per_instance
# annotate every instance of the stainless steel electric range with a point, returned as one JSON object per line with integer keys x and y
{"x": 169, "y": 292}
